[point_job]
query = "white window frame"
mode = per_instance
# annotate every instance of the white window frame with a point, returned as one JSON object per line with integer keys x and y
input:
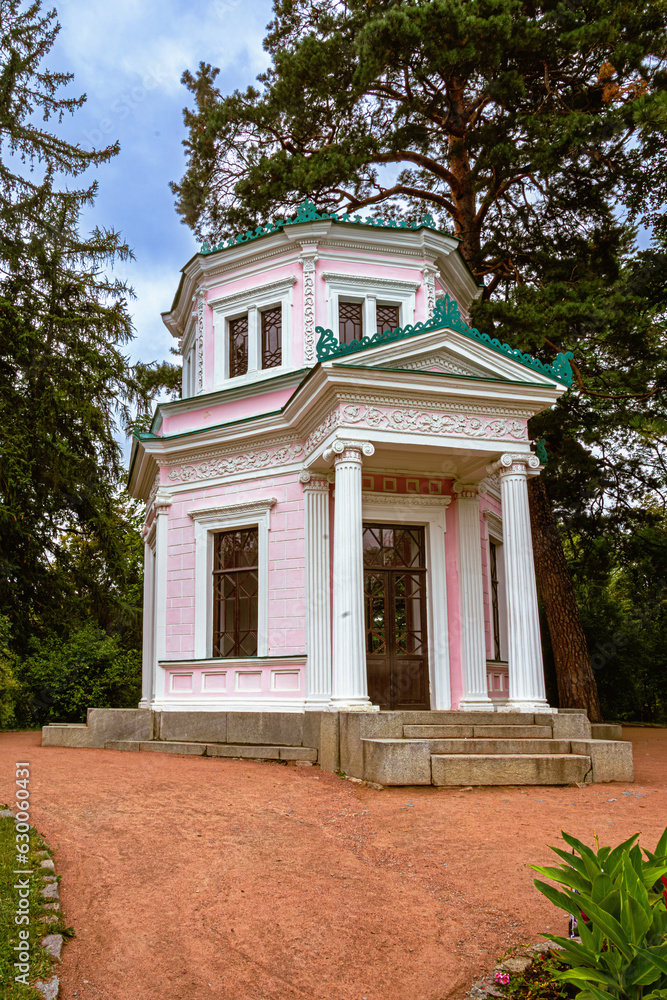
{"x": 368, "y": 291}
{"x": 431, "y": 513}
{"x": 208, "y": 521}
{"x": 252, "y": 301}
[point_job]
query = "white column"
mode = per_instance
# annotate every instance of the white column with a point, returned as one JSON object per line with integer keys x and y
{"x": 318, "y": 591}
{"x": 349, "y": 679}
{"x": 471, "y": 599}
{"x": 526, "y": 672}
{"x": 162, "y": 505}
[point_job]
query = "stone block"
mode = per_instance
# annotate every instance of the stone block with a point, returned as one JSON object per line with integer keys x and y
{"x": 275, "y": 728}
{"x": 48, "y": 989}
{"x": 606, "y": 731}
{"x": 50, "y": 891}
{"x": 312, "y": 727}
{"x": 66, "y": 736}
{"x": 397, "y": 762}
{"x": 571, "y": 726}
{"x": 197, "y": 727}
{"x": 243, "y": 750}
{"x": 299, "y": 753}
{"x": 509, "y": 769}
{"x": 328, "y": 748}
{"x": 611, "y": 760}
{"x": 123, "y": 745}
{"x": 451, "y": 717}
{"x": 119, "y": 724}
{"x": 156, "y": 746}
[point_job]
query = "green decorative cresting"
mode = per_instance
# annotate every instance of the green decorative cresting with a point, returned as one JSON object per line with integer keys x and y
{"x": 446, "y": 315}
{"x": 541, "y": 452}
{"x": 308, "y": 212}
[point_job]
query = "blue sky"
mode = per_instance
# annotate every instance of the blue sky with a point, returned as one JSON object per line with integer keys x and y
{"x": 127, "y": 56}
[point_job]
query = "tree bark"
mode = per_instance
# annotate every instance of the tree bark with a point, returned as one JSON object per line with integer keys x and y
{"x": 576, "y": 682}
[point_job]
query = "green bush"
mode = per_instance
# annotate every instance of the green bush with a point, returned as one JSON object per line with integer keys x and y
{"x": 623, "y": 919}
{"x": 61, "y": 678}
{"x": 9, "y": 686}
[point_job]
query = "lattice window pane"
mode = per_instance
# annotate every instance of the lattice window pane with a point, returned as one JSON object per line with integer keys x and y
{"x": 238, "y": 346}
{"x": 350, "y": 324}
{"x": 388, "y": 317}
{"x": 272, "y": 337}
{"x": 235, "y": 592}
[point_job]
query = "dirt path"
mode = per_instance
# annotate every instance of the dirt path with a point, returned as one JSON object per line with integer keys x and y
{"x": 209, "y": 878}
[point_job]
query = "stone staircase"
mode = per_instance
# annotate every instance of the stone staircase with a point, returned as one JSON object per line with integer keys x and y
{"x": 442, "y": 748}
{"x": 488, "y": 748}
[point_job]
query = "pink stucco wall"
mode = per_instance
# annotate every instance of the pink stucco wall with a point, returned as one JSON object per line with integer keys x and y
{"x": 286, "y": 562}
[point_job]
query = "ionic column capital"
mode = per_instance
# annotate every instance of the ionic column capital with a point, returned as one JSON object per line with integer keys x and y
{"x": 343, "y": 450}
{"x": 469, "y": 491}
{"x": 314, "y": 481}
{"x": 512, "y": 464}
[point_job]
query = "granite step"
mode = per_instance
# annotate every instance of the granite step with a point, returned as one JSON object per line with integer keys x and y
{"x": 246, "y": 751}
{"x": 510, "y": 769}
{"x": 499, "y": 746}
{"x": 463, "y": 731}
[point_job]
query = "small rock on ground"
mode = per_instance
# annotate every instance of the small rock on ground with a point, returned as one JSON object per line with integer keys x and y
{"x": 6, "y": 813}
{"x": 49, "y": 990}
{"x": 53, "y": 943}
{"x": 516, "y": 964}
{"x": 50, "y": 891}
{"x": 47, "y": 863}
{"x": 48, "y": 918}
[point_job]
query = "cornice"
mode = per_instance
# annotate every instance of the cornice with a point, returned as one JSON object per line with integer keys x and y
{"x": 233, "y": 510}
{"x": 494, "y": 522}
{"x": 372, "y": 282}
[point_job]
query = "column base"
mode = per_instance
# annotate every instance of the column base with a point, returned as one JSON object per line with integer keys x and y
{"x": 318, "y": 704}
{"x": 519, "y": 705}
{"x": 477, "y": 705}
{"x": 143, "y": 703}
{"x": 352, "y": 705}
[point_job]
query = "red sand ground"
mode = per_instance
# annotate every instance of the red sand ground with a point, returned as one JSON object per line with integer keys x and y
{"x": 197, "y": 878}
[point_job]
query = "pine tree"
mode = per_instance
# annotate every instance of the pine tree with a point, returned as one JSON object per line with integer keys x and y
{"x": 536, "y": 130}
{"x": 66, "y": 386}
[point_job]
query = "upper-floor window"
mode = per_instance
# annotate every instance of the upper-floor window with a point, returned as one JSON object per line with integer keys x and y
{"x": 361, "y": 306}
{"x": 252, "y": 332}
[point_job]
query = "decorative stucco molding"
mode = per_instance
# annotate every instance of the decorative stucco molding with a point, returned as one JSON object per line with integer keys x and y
{"x": 429, "y": 422}
{"x": 401, "y": 499}
{"x": 224, "y": 466}
{"x": 429, "y": 271}
{"x": 201, "y": 303}
{"x": 469, "y": 491}
{"x": 314, "y": 481}
{"x": 308, "y": 260}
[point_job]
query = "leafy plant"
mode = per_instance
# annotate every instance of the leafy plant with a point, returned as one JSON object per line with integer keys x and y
{"x": 623, "y": 924}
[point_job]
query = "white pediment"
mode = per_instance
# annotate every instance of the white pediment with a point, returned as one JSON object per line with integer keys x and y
{"x": 446, "y": 352}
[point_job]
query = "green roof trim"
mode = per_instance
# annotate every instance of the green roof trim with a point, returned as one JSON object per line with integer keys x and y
{"x": 308, "y": 212}
{"x": 445, "y": 315}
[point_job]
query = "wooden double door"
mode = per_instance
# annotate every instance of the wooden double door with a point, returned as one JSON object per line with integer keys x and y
{"x": 395, "y": 612}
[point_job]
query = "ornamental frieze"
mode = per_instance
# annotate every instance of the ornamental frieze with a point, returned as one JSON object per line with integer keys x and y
{"x": 228, "y": 465}
{"x": 429, "y": 422}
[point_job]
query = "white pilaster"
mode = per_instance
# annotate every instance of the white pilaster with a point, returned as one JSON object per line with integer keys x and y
{"x": 148, "y": 647}
{"x": 526, "y": 672}
{"x": 471, "y": 599}
{"x": 318, "y": 591}
{"x": 162, "y": 505}
{"x": 349, "y": 679}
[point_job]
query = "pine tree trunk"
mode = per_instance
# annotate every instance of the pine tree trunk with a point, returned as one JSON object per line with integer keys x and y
{"x": 576, "y": 682}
